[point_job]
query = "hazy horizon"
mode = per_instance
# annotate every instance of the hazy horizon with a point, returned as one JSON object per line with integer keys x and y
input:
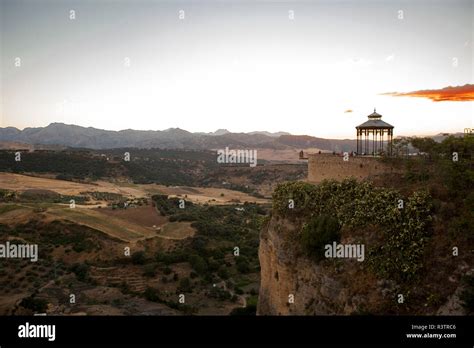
{"x": 314, "y": 68}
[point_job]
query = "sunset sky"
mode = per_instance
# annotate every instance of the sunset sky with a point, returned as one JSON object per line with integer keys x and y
{"x": 304, "y": 67}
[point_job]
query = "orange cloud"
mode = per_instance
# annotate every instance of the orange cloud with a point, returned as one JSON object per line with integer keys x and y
{"x": 458, "y": 93}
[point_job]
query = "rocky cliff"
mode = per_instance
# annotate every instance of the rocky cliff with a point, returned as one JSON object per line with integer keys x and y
{"x": 292, "y": 283}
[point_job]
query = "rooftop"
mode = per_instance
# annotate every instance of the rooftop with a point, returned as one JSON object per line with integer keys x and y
{"x": 375, "y": 122}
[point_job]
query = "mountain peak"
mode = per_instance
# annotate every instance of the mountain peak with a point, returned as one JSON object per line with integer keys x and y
{"x": 176, "y": 130}
{"x": 220, "y": 131}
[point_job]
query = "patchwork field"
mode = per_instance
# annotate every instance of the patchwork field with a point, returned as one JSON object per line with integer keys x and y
{"x": 209, "y": 195}
{"x": 127, "y": 225}
{"x": 177, "y": 230}
{"x": 22, "y": 183}
{"x": 145, "y": 216}
{"x": 116, "y": 227}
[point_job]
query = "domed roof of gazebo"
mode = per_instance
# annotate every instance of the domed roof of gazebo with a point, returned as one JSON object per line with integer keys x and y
{"x": 375, "y": 122}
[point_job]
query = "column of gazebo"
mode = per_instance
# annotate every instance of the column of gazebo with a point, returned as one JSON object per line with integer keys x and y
{"x": 367, "y": 141}
{"x": 377, "y": 141}
{"x": 374, "y": 141}
{"x": 390, "y": 135}
{"x": 381, "y": 139}
{"x": 357, "y": 151}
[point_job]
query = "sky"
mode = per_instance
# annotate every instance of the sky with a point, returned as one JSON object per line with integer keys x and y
{"x": 304, "y": 67}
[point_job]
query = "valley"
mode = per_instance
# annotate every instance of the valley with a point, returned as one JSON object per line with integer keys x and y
{"x": 126, "y": 248}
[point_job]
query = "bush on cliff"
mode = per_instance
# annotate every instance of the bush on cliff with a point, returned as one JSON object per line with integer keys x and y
{"x": 319, "y": 231}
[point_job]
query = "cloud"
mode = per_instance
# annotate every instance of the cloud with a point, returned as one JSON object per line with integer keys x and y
{"x": 348, "y": 111}
{"x": 390, "y": 58}
{"x": 457, "y": 93}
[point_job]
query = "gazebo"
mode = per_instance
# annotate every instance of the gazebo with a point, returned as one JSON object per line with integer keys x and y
{"x": 378, "y": 129}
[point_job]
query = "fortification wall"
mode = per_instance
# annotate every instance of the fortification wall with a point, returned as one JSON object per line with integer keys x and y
{"x": 329, "y": 166}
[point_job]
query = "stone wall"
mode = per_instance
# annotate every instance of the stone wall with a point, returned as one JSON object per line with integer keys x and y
{"x": 329, "y": 166}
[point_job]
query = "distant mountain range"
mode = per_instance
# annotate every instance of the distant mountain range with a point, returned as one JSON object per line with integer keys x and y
{"x": 174, "y": 138}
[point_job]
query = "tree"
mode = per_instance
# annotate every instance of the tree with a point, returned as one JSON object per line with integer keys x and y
{"x": 152, "y": 294}
{"x": 34, "y": 304}
{"x": 319, "y": 231}
{"x": 185, "y": 285}
{"x": 243, "y": 265}
{"x": 400, "y": 146}
{"x": 198, "y": 264}
{"x": 223, "y": 273}
{"x": 149, "y": 270}
{"x": 81, "y": 270}
{"x": 427, "y": 145}
{"x": 138, "y": 258}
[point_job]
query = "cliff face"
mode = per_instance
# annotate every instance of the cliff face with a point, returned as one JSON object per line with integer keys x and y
{"x": 291, "y": 284}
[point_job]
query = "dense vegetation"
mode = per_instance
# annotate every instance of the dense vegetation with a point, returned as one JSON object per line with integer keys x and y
{"x": 212, "y": 252}
{"x": 359, "y": 204}
{"x": 447, "y": 170}
{"x": 447, "y": 166}
{"x": 54, "y": 234}
{"x": 239, "y": 224}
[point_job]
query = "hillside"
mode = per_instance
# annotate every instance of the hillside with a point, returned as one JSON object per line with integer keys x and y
{"x": 173, "y": 250}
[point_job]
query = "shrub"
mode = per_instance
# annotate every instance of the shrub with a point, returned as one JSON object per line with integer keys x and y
{"x": 34, "y": 304}
{"x": 185, "y": 285}
{"x": 81, "y": 270}
{"x": 319, "y": 231}
{"x": 138, "y": 258}
{"x": 223, "y": 273}
{"x": 220, "y": 294}
{"x": 152, "y": 294}
{"x": 149, "y": 270}
{"x": 243, "y": 265}
{"x": 198, "y": 264}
